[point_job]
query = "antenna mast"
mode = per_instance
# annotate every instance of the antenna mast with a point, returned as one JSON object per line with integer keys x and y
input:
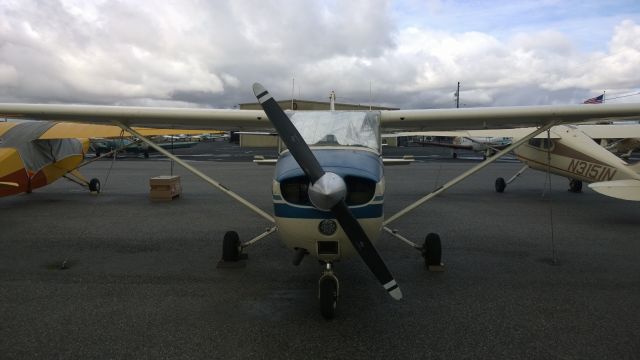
{"x": 293, "y": 87}
{"x": 332, "y": 100}
{"x": 370, "y": 97}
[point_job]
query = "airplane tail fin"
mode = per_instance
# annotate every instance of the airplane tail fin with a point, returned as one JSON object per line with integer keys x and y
{"x": 620, "y": 189}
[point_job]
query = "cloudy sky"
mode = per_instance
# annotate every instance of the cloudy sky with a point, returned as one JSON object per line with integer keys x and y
{"x": 407, "y": 54}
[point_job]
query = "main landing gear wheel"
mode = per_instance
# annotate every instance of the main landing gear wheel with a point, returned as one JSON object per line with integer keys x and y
{"x": 432, "y": 250}
{"x": 328, "y": 293}
{"x": 94, "y": 185}
{"x": 500, "y": 185}
{"x": 575, "y": 186}
{"x": 231, "y": 246}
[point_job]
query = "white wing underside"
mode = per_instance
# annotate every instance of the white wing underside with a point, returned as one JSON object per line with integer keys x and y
{"x": 593, "y": 131}
{"x": 430, "y": 119}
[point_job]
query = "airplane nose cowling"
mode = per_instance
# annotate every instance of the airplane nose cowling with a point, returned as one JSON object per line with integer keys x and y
{"x": 329, "y": 190}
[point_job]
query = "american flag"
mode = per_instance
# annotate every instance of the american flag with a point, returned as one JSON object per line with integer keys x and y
{"x": 595, "y": 100}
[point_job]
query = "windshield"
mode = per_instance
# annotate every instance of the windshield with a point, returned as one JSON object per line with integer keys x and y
{"x": 338, "y": 128}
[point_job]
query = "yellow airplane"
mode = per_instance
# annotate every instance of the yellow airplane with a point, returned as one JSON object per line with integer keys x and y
{"x": 37, "y": 153}
{"x": 328, "y": 188}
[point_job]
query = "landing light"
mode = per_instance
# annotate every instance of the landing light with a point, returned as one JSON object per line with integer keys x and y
{"x": 327, "y": 227}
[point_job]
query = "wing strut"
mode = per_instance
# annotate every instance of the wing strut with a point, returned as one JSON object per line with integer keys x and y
{"x": 199, "y": 174}
{"x": 465, "y": 175}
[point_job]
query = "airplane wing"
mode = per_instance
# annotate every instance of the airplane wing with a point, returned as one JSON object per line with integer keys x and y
{"x": 615, "y": 131}
{"x": 64, "y": 130}
{"x": 609, "y": 131}
{"x": 510, "y": 133}
{"x": 431, "y": 119}
{"x": 5, "y": 126}
{"x": 505, "y": 117}
{"x": 218, "y": 119}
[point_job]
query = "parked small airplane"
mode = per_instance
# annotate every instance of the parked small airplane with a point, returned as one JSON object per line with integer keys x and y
{"x": 487, "y": 145}
{"x": 211, "y": 137}
{"x": 570, "y": 151}
{"x": 101, "y": 146}
{"x": 328, "y": 188}
{"x": 37, "y": 153}
{"x": 623, "y": 147}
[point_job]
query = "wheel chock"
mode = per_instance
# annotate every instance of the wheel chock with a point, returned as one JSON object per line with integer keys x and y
{"x": 436, "y": 268}
{"x": 241, "y": 263}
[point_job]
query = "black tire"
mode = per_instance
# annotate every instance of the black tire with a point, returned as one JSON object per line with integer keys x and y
{"x": 575, "y": 186}
{"x": 94, "y": 185}
{"x": 500, "y": 185}
{"x": 328, "y": 297}
{"x": 455, "y": 155}
{"x": 146, "y": 154}
{"x": 432, "y": 249}
{"x": 231, "y": 246}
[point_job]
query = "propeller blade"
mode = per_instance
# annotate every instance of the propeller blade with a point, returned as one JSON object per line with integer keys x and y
{"x": 311, "y": 167}
{"x": 365, "y": 248}
{"x": 289, "y": 134}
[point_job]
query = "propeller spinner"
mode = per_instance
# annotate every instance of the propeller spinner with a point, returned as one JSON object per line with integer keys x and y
{"x": 327, "y": 190}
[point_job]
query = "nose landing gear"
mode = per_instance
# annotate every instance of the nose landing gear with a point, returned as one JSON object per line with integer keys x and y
{"x": 328, "y": 292}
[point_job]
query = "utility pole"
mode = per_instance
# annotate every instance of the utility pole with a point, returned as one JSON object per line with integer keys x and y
{"x": 457, "y": 95}
{"x": 332, "y": 100}
{"x": 293, "y": 87}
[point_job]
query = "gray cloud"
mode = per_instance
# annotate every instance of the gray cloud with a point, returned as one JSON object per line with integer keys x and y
{"x": 195, "y": 53}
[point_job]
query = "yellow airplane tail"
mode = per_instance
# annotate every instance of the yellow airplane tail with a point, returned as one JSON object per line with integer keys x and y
{"x": 13, "y": 176}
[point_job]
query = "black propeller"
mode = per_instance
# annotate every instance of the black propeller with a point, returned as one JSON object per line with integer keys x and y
{"x": 327, "y": 190}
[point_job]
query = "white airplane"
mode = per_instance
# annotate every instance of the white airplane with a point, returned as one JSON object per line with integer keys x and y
{"x": 487, "y": 145}
{"x": 328, "y": 187}
{"x": 623, "y": 147}
{"x": 570, "y": 151}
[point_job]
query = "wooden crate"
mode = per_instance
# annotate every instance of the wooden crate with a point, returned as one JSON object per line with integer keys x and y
{"x": 164, "y": 187}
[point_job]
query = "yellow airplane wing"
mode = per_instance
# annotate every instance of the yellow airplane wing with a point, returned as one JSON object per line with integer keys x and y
{"x": 5, "y": 126}
{"x": 432, "y": 119}
{"x": 63, "y": 130}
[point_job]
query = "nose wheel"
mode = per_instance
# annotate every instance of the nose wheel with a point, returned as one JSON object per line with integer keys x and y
{"x": 575, "y": 186}
{"x": 328, "y": 293}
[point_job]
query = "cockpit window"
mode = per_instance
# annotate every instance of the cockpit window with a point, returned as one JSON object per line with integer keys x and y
{"x": 541, "y": 143}
{"x": 338, "y": 128}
